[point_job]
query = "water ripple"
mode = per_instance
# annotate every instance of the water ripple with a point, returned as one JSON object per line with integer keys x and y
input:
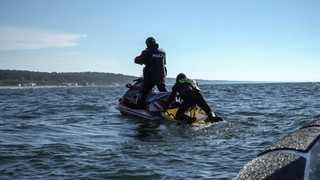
{"x": 76, "y": 133}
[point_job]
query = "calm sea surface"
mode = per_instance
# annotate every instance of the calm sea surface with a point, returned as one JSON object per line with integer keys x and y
{"x": 76, "y": 133}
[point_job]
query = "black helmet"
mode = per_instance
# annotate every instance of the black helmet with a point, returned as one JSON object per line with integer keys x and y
{"x": 150, "y": 41}
{"x": 180, "y": 76}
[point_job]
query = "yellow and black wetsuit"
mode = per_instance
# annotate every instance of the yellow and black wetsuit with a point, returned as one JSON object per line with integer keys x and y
{"x": 190, "y": 93}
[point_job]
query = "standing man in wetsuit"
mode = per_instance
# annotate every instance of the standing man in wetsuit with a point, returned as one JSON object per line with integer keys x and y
{"x": 154, "y": 72}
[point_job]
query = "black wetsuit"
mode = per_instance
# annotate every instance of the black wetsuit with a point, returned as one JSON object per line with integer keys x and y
{"x": 154, "y": 71}
{"x": 191, "y": 95}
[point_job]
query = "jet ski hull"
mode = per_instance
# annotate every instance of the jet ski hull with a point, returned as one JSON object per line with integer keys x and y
{"x": 155, "y": 102}
{"x": 139, "y": 113}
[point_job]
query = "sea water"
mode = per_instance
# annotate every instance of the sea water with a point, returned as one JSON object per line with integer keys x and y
{"x": 76, "y": 132}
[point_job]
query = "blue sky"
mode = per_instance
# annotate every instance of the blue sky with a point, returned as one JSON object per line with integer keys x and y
{"x": 258, "y": 40}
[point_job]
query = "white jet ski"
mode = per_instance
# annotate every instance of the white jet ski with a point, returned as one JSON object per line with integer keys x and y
{"x": 155, "y": 102}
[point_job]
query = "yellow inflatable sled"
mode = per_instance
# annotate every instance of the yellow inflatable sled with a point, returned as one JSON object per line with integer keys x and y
{"x": 192, "y": 112}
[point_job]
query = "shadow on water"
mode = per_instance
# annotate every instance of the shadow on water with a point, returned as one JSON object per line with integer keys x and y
{"x": 148, "y": 131}
{"x": 166, "y": 132}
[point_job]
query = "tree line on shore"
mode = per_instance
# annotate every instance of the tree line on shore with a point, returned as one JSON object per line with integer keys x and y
{"x": 15, "y": 77}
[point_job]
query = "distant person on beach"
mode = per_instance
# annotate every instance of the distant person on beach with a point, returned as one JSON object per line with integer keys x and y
{"x": 154, "y": 72}
{"x": 190, "y": 94}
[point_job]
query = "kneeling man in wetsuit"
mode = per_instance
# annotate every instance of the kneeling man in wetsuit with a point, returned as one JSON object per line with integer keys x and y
{"x": 190, "y": 93}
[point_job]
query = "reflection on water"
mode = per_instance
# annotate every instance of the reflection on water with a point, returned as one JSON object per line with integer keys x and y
{"x": 148, "y": 131}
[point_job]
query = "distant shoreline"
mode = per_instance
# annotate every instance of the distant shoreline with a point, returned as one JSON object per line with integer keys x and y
{"x": 31, "y": 78}
{"x": 59, "y": 86}
{"x": 24, "y": 79}
{"x": 50, "y": 86}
